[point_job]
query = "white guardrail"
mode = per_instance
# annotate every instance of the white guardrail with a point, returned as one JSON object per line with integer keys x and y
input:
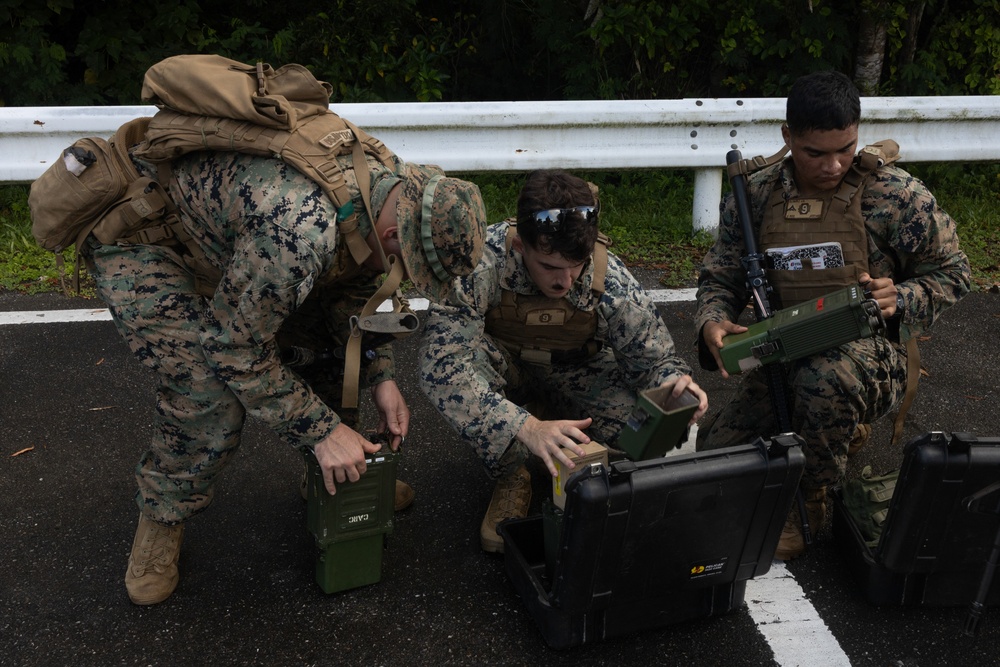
{"x": 577, "y": 135}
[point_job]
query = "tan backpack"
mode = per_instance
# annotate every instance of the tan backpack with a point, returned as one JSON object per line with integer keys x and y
{"x": 208, "y": 102}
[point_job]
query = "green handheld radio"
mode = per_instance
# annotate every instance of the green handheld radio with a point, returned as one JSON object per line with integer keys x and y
{"x": 807, "y": 328}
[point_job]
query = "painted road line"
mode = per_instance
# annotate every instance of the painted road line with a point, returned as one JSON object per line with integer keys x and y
{"x": 99, "y": 314}
{"x": 54, "y": 316}
{"x": 790, "y": 624}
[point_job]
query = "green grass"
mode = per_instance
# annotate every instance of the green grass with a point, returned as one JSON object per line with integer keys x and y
{"x": 646, "y": 213}
{"x": 971, "y": 195}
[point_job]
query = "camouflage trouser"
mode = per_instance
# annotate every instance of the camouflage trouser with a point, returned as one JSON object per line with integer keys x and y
{"x": 829, "y": 395}
{"x": 593, "y": 388}
{"x": 199, "y": 420}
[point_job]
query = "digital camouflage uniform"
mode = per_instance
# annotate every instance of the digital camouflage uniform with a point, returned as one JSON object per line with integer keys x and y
{"x": 480, "y": 387}
{"x": 911, "y": 240}
{"x": 272, "y": 233}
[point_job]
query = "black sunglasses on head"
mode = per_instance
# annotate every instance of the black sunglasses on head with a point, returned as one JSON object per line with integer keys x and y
{"x": 551, "y": 220}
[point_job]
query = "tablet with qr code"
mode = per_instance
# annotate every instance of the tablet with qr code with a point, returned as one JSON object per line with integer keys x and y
{"x": 796, "y": 258}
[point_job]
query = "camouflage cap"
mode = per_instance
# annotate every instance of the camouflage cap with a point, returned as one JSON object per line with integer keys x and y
{"x": 442, "y": 224}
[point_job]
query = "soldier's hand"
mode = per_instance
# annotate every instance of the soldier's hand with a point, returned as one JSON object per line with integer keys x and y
{"x": 883, "y": 290}
{"x": 393, "y": 413}
{"x": 713, "y": 333}
{"x": 686, "y": 382}
{"x": 548, "y": 439}
{"x": 341, "y": 456}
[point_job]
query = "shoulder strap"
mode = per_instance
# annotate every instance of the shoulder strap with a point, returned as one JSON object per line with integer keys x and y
{"x": 750, "y": 165}
{"x": 400, "y": 322}
{"x": 600, "y": 263}
{"x": 912, "y": 379}
{"x": 869, "y": 159}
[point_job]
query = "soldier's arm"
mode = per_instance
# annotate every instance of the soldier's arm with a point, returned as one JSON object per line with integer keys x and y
{"x": 269, "y": 276}
{"x": 916, "y": 244}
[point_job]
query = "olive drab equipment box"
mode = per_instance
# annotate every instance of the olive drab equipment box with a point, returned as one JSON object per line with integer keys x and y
{"x": 658, "y": 423}
{"x": 940, "y": 541}
{"x": 643, "y": 544}
{"x": 351, "y": 526}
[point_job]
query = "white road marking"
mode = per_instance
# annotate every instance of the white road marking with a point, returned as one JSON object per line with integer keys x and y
{"x": 790, "y": 624}
{"x": 52, "y": 316}
{"x": 99, "y": 314}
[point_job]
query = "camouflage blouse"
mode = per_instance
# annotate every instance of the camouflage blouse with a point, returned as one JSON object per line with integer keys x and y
{"x": 457, "y": 383}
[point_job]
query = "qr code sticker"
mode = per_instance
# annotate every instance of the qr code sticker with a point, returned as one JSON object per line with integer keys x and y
{"x": 817, "y": 256}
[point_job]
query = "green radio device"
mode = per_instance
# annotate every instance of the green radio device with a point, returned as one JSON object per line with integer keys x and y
{"x": 804, "y": 329}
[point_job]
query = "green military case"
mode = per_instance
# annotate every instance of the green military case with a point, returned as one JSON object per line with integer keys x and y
{"x": 350, "y": 526}
{"x": 804, "y": 329}
{"x": 658, "y": 424}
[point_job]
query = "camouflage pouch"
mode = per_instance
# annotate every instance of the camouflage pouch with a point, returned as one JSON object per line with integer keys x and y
{"x": 866, "y": 499}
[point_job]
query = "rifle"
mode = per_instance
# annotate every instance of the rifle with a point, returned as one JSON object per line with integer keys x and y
{"x": 753, "y": 262}
{"x": 759, "y": 288}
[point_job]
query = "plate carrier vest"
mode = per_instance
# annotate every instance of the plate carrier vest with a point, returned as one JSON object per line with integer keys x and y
{"x": 540, "y": 330}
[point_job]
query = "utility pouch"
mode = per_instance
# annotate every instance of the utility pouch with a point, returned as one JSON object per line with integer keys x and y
{"x": 866, "y": 499}
{"x": 74, "y": 192}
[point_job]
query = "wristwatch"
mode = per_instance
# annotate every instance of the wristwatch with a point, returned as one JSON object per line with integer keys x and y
{"x": 900, "y": 305}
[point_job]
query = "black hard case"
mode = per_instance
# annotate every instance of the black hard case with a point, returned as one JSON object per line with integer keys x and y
{"x": 941, "y": 530}
{"x": 650, "y": 543}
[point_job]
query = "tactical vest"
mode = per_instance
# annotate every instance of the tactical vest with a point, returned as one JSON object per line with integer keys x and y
{"x": 832, "y": 217}
{"x": 540, "y": 330}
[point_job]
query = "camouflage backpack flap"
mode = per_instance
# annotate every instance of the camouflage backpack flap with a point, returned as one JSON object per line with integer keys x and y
{"x": 210, "y": 85}
{"x": 867, "y": 499}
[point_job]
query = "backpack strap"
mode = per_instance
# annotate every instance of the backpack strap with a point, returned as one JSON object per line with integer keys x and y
{"x": 870, "y": 158}
{"x": 399, "y": 323}
{"x": 750, "y": 165}
{"x": 912, "y": 379}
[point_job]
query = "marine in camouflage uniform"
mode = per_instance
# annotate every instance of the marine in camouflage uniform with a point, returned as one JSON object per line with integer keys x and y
{"x": 916, "y": 271}
{"x": 482, "y": 388}
{"x": 287, "y": 279}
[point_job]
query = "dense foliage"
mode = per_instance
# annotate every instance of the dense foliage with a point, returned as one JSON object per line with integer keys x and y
{"x": 62, "y": 52}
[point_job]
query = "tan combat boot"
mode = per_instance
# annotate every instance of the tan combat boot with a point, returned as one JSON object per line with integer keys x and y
{"x": 152, "y": 566}
{"x": 860, "y": 439}
{"x": 511, "y": 499}
{"x": 792, "y": 543}
{"x": 404, "y": 496}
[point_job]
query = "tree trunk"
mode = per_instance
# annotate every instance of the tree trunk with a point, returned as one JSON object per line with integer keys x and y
{"x": 912, "y": 28}
{"x": 871, "y": 52}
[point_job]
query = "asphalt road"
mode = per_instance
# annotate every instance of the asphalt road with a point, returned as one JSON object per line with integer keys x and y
{"x": 81, "y": 407}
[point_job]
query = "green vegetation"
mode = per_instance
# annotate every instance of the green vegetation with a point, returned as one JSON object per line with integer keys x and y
{"x": 646, "y": 213}
{"x": 62, "y": 52}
